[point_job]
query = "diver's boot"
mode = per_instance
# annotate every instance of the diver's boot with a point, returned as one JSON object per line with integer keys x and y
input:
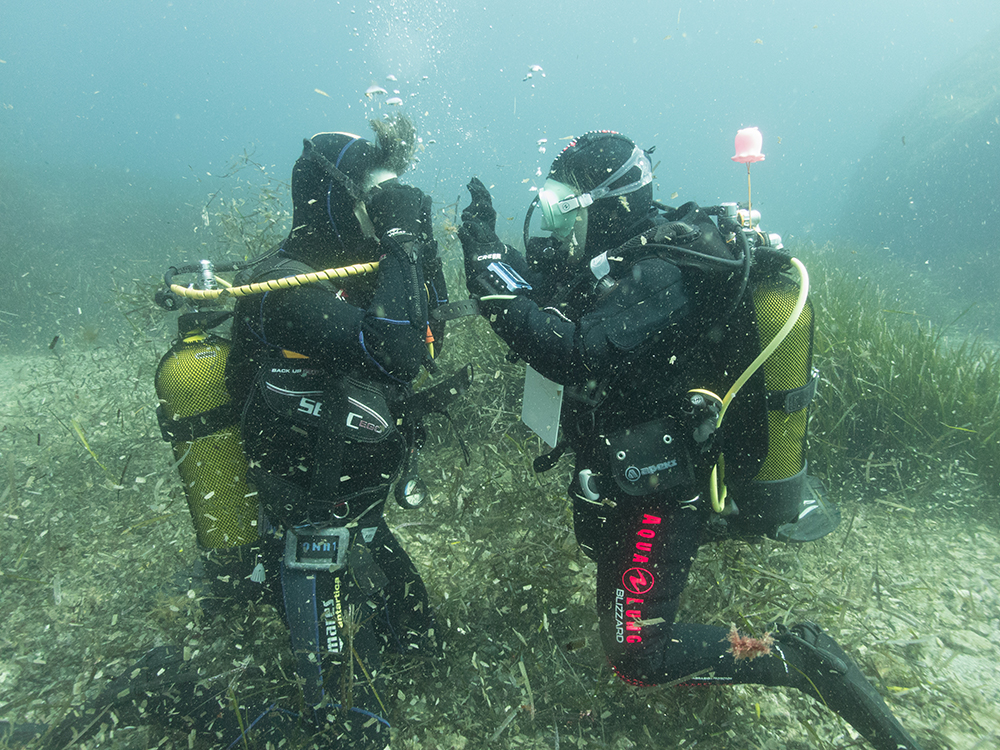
{"x": 153, "y": 674}
{"x": 163, "y": 689}
{"x": 817, "y": 666}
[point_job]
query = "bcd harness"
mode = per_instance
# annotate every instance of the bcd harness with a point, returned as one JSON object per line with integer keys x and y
{"x": 197, "y": 415}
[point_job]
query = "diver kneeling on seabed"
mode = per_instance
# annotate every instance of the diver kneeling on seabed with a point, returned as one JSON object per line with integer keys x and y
{"x": 644, "y": 313}
{"x": 289, "y": 441}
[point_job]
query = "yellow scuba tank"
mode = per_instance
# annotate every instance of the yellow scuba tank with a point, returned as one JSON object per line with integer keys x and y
{"x": 196, "y": 414}
{"x": 787, "y": 370}
{"x": 197, "y": 417}
{"x": 199, "y": 420}
{"x": 769, "y": 492}
{"x": 782, "y": 500}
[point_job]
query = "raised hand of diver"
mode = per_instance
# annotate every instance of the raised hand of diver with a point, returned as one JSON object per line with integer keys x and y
{"x": 480, "y": 209}
{"x": 399, "y": 210}
{"x": 491, "y": 267}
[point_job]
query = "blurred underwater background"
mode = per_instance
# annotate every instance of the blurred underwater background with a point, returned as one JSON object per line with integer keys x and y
{"x": 139, "y": 135}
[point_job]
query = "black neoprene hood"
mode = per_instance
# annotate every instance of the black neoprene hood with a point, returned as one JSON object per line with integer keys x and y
{"x": 586, "y": 163}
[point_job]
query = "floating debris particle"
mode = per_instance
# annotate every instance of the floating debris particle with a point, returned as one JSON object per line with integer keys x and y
{"x": 390, "y": 77}
{"x": 532, "y": 69}
{"x": 394, "y": 101}
{"x": 322, "y": 93}
{"x": 374, "y": 90}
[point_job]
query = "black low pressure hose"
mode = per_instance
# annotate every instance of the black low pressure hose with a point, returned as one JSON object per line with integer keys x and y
{"x": 527, "y": 220}
{"x": 167, "y": 298}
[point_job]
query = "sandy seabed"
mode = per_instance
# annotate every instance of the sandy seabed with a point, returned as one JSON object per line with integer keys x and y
{"x": 94, "y": 530}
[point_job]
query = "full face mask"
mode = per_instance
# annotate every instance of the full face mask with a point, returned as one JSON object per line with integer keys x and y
{"x": 561, "y": 204}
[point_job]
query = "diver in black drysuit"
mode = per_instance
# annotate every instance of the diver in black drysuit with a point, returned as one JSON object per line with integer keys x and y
{"x": 629, "y": 348}
{"x": 323, "y": 370}
{"x": 323, "y": 373}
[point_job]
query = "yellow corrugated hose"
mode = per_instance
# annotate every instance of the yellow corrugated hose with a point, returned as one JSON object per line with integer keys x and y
{"x": 274, "y": 284}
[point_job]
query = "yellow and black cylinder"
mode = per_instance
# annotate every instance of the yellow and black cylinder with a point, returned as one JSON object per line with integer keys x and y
{"x": 200, "y": 421}
{"x": 775, "y": 497}
{"x": 786, "y": 371}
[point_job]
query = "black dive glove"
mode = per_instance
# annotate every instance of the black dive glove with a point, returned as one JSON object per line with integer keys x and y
{"x": 394, "y": 327}
{"x": 481, "y": 207}
{"x": 491, "y": 268}
{"x": 397, "y": 209}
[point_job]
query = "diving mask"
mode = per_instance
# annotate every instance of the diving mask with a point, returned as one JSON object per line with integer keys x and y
{"x": 560, "y": 204}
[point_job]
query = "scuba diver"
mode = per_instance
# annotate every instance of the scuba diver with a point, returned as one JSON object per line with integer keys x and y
{"x": 319, "y": 375}
{"x": 644, "y": 313}
{"x": 323, "y": 372}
